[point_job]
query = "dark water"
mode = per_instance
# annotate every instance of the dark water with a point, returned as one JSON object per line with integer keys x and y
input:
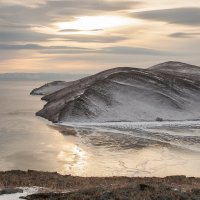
{"x": 29, "y": 142}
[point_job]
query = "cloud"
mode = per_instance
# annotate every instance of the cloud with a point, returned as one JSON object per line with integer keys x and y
{"x": 39, "y": 47}
{"x": 184, "y": 35}
{"x": 15, "y": 26}
{"x": 76, "y": 30}
{"x": 60, "y": 10}
{"x": 76, "y": 50}
{"x": 24, "y": 51}
{"x": 185, "y": 16}
{"x": 20, "y": 47}
{"x": 94, "y": 6}
{"x": 6, "y": 55}
{"x": 29, "y": 33}
{"x": 26, "y": 3}
{"x": 26, "y": 35}
{"x": 67, "y": 51}
{"x": 132, "y": 50}
{"x": 23, "y": 35}
{"x": 19, "y": 17}
{"x": 122, "y": 50}
{"x": 94, "y": 38}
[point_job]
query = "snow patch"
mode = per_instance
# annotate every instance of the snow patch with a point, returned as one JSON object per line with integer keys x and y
{"x": 26, "y": 191}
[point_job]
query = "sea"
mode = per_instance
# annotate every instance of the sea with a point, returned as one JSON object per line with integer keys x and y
{"x": 30, "y": 142}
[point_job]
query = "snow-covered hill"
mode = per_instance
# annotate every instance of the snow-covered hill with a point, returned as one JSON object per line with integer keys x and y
{"x": 162, "y": 92}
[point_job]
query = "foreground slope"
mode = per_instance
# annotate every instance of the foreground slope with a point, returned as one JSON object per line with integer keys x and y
{"x": 129, "y": 94}
{"x": 55, "y": 186}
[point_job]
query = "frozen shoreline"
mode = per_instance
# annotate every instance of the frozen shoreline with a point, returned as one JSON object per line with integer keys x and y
{"x": 160, "y": 132}
{"x": 133, "y": 125}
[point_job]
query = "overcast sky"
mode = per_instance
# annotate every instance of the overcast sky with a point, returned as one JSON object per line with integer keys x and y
{"x": 92, "y": 35}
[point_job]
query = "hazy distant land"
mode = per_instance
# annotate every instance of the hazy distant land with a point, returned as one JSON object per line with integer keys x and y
{"x": 40, "y": 76}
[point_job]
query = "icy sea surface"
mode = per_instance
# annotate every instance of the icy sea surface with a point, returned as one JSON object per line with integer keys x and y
{"x": 111, "y": 149}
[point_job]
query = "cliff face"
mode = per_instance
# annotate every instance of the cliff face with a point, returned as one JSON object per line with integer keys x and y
{"x": 169, "y": 91}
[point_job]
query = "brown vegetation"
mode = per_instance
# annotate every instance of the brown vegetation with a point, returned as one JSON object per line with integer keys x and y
{"x": 109, "y": 188}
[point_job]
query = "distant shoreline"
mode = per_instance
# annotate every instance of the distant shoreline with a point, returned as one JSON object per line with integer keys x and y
{"x": 45, "y": 77}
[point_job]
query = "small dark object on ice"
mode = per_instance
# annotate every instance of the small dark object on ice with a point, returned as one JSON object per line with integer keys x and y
{"x": 159, "y": 119}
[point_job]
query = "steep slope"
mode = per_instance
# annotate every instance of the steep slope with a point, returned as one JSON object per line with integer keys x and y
{"x": 58, "y": 100}
{"x": 80, "y": 84}
{"x": 128, "y": 94}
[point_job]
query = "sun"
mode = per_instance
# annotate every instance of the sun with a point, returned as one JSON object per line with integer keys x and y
{"x": 90, "y": 23}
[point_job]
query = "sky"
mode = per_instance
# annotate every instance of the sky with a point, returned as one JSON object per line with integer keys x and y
{"x": 83, "y": 36}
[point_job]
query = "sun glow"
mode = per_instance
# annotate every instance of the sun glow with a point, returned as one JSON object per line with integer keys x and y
{"x": 92, "y": 23}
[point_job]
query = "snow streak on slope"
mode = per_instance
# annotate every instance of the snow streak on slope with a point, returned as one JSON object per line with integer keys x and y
{"x": 49, "y": 88}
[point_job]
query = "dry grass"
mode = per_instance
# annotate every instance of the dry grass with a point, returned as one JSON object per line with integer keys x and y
{"x": 110, "y": 188}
